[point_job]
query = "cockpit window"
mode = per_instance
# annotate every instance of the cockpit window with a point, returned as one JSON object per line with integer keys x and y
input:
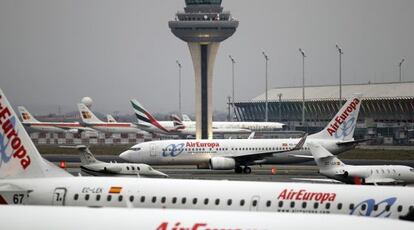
{"x": 135, "y": 148}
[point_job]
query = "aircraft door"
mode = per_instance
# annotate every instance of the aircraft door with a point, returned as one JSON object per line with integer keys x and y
{"x": 153, "y": 152}
{"x": 59, "y": 196}
{"x": 254, "y": 203}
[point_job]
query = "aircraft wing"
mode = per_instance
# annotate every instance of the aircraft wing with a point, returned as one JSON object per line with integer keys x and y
{"x": 303, "y": 156}
{"x": 256, "y": 157}
{"x": 317, "y": 180}
{"x": 381, "y": 181}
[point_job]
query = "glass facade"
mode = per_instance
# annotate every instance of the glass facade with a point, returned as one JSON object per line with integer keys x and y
{"x": 203, "y": 2}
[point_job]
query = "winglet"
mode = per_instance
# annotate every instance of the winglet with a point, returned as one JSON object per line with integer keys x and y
{"x": 301, "y": 142}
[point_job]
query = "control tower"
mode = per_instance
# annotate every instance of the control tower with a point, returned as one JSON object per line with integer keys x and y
{"x": 203, "y": 25}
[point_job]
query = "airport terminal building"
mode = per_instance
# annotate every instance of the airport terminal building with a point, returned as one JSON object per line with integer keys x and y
{"x": 386, "y": 116}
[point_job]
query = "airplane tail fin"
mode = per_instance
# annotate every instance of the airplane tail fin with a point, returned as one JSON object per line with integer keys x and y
{"x": 323, "y": 158}
{"x": 178, "y": 124}
{"x": 110, "y": 119}
{"x": 87, "y": 115}
{"x": 85, "y": 154}
{"x": 144, "y": 117}
{"x": 186, "y": 117}
{"x": 25, "y": 115}
{"x": 342, "y": 125}
{"x": 19, "y": 157}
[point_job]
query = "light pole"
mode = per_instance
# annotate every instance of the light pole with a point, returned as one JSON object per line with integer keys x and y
{"x": 232, "y": 85}
{"x": 400, "y": 64}
{"x": 303, "y": 86}
{"x": 340, "y": 74}
{"x": 280, "y": 106}
{"x": 179, "y": 87}
{"x": 266, "y": 98}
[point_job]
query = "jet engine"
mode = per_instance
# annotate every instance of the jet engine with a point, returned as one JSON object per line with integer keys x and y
{"x": 222, "y": 163}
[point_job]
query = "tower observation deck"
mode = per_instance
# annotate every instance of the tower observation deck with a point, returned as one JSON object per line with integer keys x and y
{"x": 203, "y": 25}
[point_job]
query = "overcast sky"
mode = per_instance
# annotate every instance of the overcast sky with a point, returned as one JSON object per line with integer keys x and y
{"x": 54, "y": 52}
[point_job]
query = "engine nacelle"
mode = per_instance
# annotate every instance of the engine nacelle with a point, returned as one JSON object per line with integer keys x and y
{"x": 74, "y": 131}
{"x": 222, "y": 163}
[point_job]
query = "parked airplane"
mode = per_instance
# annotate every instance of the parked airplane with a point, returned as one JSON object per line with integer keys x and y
{"x": 224, "y": 154}
{"x": 70, "y": 218}
{"x": 175, "y": 127}
{"x": 90, "y": 120}
{"x": 249, "y": 125}
{"x": 331, "y": 167}
{"x": 92, "y": 166}
{"x": 54, "y": 127}
{"x": 29, "y": 179}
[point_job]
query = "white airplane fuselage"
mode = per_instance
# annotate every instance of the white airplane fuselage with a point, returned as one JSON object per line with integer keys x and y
{"x": 120, "y": 169}
{"x": 56, "y": 127}
{"x": 242, "y": 125}
{"x": 371, "y": 173}
{"x": 383, "y": 201}
{"x": 195, "y": 152}
{"x": 112, "y": 127}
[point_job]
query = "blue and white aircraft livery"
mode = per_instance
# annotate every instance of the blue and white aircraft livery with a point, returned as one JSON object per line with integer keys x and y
{"x": 26, "y": 178}
{"x": 238, "y": 154}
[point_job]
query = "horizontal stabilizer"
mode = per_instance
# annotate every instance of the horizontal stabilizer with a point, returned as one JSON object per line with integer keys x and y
{"x": 352, "y": 142}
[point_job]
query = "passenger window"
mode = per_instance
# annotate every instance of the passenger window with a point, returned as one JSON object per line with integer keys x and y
{"x": 376, "y": 207}
{"x": 217, "y": 201}
{"x": 76, "y": 196}
{"x": 268, "y": 203}
{"x": 132, "y": 167}
{"x": 387, "y": 208}
{"x": 254, "y": 203}
{"x": 140, "y": 169}
{"x": 280, "y": 204}
{"x": 174, "y": 200}
{"x": 229, "y": 202}
{"x": 315, "y": 205}
{"x": 411, "y": 208}
{"x": 292, "y": 204}
{"x": 87, "y": 197}
{"x": 363, "y": 207}
{"x": 241, "y": 202}
{"x": 109, "y": 198}
{"x": 98, "y": 197}
{"x": 142, "y": 199}
{"x": 328, "y": 205}
{"x": 163, "y": 199}
{"x": 131, "y": 198}
{"x": 183, "y": 200}
{"x": 351, "y": 206}
{"x": 206, "y": 201}
{"x": 339, "y": 206}
{"x": 120, "y": 197}
{"x": 399, "y": 209}
{"x": 154, "y": 199}
{"x": 127, "y": 168}
{"x": 304, "y": 205}
{"x": 194, "y": 200}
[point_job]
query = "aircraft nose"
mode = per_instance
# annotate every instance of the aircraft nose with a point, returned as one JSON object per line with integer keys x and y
{"x": 125, "y": 155}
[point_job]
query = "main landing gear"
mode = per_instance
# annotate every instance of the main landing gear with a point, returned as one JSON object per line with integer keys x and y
{"x": 246, "y": 169}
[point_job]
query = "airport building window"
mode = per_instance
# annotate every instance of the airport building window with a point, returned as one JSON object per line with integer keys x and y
{"x": 109, "y": 198}
{"x": 339, "y": 206}
{"x": 120, "y": 197}
{"x": 399, "y": 209}
{"x": 217, "y": 201}
{"x": 351, "y": 206}
{"x": 174, "y": 200}
{"x": 229, "y": 202}
{"x": 280, "y": 204}
{"x": 87, "y": 197}
{"x": 254, "y": 203}
{"x": 328, "y": 205}
{"x": 206, "y": 201}
{"x": 163, "y": 199}
{"x": 315, "y": 205}
{"x": 131, "y": 198}
{"x": 292, "y": 204}
{"x": 268, "y": 203}
{"x": 183, "y": 200}
{"x": 194, "y": 200}
{"x": 242, "y": 202}
{"x": 304, "y": 205}
{"x": 142, "y": 199}
{"x": 98, "y": 197}
{"x": 154, "y": 199}
{"x": 76, "y": 196}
